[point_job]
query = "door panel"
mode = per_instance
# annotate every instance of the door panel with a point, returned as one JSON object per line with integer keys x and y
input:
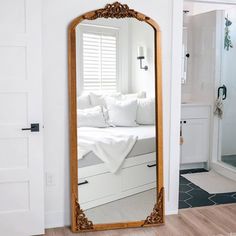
{"x": 21, "y": 190}
{"x": 13, "y": 14}
{"x": 16, "y": 156}
{"x": 21, "y": 154}
{"x": 15, "y": 108}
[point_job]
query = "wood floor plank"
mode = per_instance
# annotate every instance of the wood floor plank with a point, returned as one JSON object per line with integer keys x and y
{"x": 215, "y": 215}
{"x": 177, "y": 222}
{"x": 203, "y": 221}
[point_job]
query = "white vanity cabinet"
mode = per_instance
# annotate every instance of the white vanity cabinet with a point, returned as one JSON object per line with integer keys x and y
{"x": 195, "y": 123}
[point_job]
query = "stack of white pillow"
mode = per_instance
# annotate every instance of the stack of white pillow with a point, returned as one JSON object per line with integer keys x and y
{"x": 95, "y": 110}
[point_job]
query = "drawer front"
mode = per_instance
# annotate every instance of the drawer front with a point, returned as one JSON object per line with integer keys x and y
{"x": 139, "y": 175}
{"x": 98, "y": 186}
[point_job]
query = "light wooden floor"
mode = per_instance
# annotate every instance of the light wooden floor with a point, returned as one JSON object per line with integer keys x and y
{"x": 204, "y": 221}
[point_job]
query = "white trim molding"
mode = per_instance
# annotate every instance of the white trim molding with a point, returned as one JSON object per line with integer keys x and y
{"x": 175, "y": 109}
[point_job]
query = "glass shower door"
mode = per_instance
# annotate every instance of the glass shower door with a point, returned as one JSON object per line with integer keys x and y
{"x": 228, "y": 121}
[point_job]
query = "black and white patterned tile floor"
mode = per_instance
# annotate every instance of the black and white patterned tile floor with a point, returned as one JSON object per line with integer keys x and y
{"x": 190, "y": 195}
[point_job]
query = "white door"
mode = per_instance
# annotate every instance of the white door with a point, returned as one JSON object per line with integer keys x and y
{"x": 195, "y": 134}
{"x": 21, "y": 154}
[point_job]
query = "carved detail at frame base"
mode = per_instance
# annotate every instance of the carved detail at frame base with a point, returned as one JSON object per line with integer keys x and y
{"x": 82, "y": 222}
{"x": 115, "y": 10}
{"x": 157, "y": 215}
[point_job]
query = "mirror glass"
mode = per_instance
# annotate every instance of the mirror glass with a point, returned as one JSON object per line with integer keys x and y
{"x": 116, "y": 129}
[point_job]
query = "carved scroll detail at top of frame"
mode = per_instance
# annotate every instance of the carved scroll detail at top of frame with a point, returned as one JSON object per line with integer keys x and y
{"x": 82, "y": 222}
{"x": 115, "y": 10}
{"x": 157, "y": 215}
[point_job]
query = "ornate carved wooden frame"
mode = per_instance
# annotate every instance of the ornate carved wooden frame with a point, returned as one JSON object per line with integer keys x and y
{"x": 79, "y": 221}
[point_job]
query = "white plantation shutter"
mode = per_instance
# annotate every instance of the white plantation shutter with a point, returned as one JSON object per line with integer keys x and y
{"x": 99, "y": 62}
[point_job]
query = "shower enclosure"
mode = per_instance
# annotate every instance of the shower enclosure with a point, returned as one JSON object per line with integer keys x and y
{"x": 228, "y": 78}
{"x": 224, "y": 128}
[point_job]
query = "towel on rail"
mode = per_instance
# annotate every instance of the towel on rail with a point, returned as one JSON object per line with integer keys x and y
{"x": 218, "y": 110}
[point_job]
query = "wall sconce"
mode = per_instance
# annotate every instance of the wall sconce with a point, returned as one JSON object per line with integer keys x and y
{"x": 141, "y": 57}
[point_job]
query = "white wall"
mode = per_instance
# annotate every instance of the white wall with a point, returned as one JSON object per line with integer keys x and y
{"x": 188, "y": 36}
{"x": 202, "y": 43}
{"x": 142, "y": 34}
{"x": 203, "y": 56}
{"x": 56, "y": 17}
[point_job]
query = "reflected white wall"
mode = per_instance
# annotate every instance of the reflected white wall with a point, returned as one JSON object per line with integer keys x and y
{"x": 141, "y": 80}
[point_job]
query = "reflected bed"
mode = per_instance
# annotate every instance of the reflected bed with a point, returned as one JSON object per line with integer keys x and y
{"x": 146, "y": 143}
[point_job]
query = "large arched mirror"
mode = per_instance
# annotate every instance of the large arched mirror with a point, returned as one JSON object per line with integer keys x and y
{"x": 115, "y": 120}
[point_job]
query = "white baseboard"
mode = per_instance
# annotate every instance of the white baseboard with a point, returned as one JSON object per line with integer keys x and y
{"x": 224, "y": 169}
{"x": 193, "y": 166}
{"x": 172, "y": 212}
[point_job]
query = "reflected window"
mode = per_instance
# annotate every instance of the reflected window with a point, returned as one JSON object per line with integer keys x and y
{"x": 99, "y": 59}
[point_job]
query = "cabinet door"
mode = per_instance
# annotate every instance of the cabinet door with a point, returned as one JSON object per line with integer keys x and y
{"x": 195, "y": 147}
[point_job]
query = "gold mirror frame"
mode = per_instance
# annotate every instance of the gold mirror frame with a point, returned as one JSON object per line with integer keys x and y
{"x": 79, "y": 221}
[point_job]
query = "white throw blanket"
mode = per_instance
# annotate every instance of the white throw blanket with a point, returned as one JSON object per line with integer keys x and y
{"x": 112, "y": 148}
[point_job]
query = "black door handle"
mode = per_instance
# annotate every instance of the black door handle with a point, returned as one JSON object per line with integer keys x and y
{"x": 33, "y": 127}
{"x": 224, "y": 92}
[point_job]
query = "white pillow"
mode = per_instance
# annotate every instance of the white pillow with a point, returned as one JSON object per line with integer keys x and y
{"x": 91, "y": 117}
{"x": 146, "y": 111}
{"x": 83, "y": 102}
{"x": 141, "y": 94}
{"x": 121, "y": 113}
{"x": 99, "y": 99}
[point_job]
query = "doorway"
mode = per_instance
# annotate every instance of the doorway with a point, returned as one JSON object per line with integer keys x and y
{"x": 206, "y": 118}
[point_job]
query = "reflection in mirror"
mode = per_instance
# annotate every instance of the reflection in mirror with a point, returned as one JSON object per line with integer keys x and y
{"x": 116, "y": 119}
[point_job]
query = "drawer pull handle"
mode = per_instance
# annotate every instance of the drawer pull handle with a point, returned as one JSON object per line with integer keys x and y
{"x": 82, "y": 183}
{"x": 150, "y": 166}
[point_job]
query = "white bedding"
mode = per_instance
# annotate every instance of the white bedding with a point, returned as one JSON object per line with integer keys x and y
{"x": 141, "y": 131}
{"x": 109, "y": 144}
